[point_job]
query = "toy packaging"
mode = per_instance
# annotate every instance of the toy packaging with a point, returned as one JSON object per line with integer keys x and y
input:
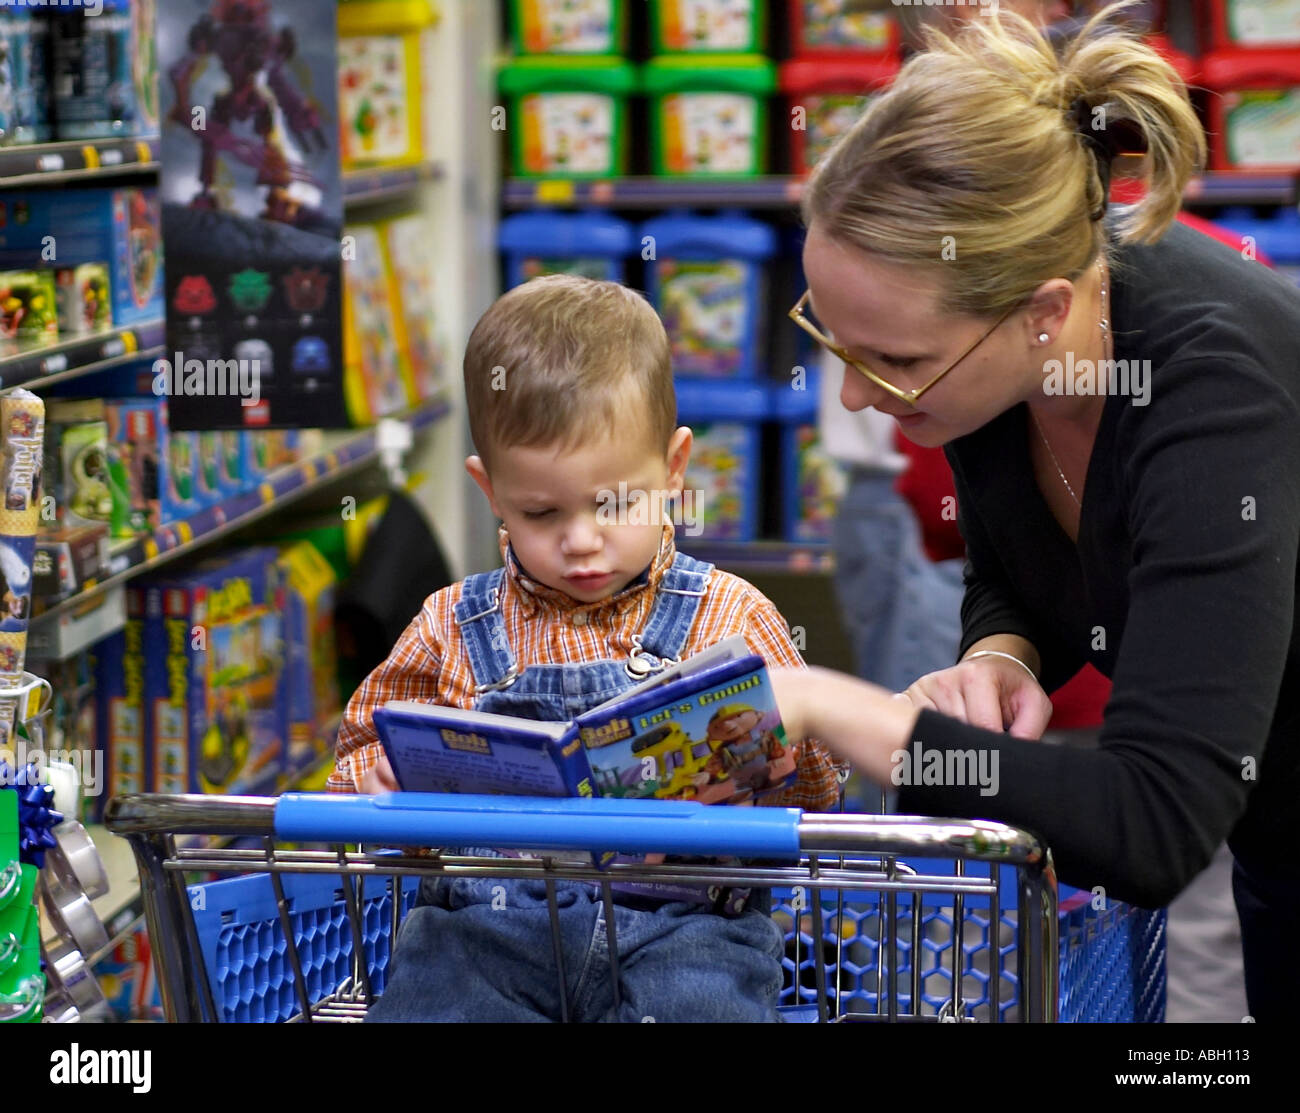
{"x": 129, "y": 981}
{"x": 569, "y": 26}
{"x": 122, "y": 726}
{"x": 1252, "y": 23}
{"x": 812, "y": 481}
{"x": 708, "y": 25}
{"x": 827, "y": 97}
{"x": 376, "y": 383}
{"x": 76, "y": 472}
{"x": 406, "y": 242}
{"x": 65, "y": 560}
{"x": 253, "y": 219}
{"x": 310, "y": 677}
{"x": 708, "y": 114}
{"x": 722, "y": 476}
{"x": 178, "y": 482}
{"x": 22, "y": 421}
{"x": 568, "y": 116}
{"x": 208, "y": 472}
{"x": 590, "y": 245}
{"x": 380, "y": 92}
{"x": 28, "y": 310}
{"x": 135, "y": 432}
{"x": 85, "y": 303}
{"x": 836, "y": 26}
{"x": 24, "y": 85}
{"x": 212, "y": 676}
{"x": 94, "y": 86}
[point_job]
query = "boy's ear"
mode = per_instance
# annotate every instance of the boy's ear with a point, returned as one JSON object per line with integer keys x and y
{"x": 478, "y": 473}
{"x": 679, "y": 455}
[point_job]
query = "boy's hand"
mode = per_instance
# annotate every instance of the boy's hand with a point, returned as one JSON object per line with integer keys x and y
{"x": 379, "y": 779}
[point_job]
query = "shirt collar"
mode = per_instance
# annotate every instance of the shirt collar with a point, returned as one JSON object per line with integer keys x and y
{"x": 534, "y": 595}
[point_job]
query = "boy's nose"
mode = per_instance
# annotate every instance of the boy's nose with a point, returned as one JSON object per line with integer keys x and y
{"x": 581, "y": 536}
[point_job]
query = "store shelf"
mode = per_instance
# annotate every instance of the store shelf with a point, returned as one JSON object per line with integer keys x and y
{"x": 82, "y": 356}
{"x": 52, "y": 163}
{"x": 350, "y": 452}
{"x": 369, "y": 187}
{"x": 783, "y": 192}
{"x": 761, "y": 556}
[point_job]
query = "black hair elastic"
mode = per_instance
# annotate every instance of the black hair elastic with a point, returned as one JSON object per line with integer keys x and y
{"x": 1103, "y": 145}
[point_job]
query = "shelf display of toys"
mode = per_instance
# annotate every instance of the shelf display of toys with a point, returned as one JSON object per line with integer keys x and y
{"x": 841, "y": 27}
{"x": 707, "y": 281}
{"x": 121, "y": 714}
{"x": 568, "y": 115}
{"x": 708, "y": 26}
{"x": 310, "y": 693}
{"x": 1277, "y": 238}
{"x": 28, "y": 310}
{"x": 722, "y": 476}
{"x": 419, "y": 339}
{"x": 1254, "y": 123}
{"x": 84, "y": 295}
{"x": 25, "y": 80}
{"x": 380, "y": 87}
{"x": 568, "y": 26}
{"x": 708, "y": 113}
{"x": 826, "y": 98}
{"x": 812, "y": 481}
{"x": 590, "y": 244}
{"x": 93, "y": 74}
{"x": 1250, "y": 23}
{"x": 376, "y": 383}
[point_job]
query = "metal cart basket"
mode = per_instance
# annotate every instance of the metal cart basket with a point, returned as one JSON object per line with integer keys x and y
{"x": 892, "y": 918}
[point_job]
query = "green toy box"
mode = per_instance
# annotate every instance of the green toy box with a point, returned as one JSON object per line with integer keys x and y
{"x": 568, "y": 26}
{"x": 568, "y": 116}
{"x": 708, "y": 114}
{"x": 708, "y": 26}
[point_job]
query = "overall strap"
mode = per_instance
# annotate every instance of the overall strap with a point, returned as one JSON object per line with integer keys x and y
{"x": 478, "y": 615}
{"x": 681, "y": 591}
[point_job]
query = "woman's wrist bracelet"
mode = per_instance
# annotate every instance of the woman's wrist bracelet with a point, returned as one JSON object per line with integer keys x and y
{"x": 1008, "y": 656}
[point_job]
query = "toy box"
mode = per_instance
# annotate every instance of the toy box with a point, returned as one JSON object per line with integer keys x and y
{"x": 75, "y": 472}
{"x": 28, "y": 310}
{"x": 212, "y": 676}
{"x": 84, "y": 297}
{"x": 310, "y": 677}
{"x": 840, "y": 26}
{"x": 65, "y": 560}
{"x": 826, "y": 98}
{"x": 24, "y": 87}
{"x": 708, "y": 26}
{"x": 406, "y": 243}
{"x": 135, "y": 428}
{"x": 812, "y": 482}
{"x": 720, "y": 499}
{"x": 568, "y": 26}
{"x": 707, "y": 280}
{"x": 127, "y": 977}
{"x": 708, "y": 114}
{"x": 568, "y": 116}
{"x": 178, "y": 482}
{"x": 1255, "y": 122}
{"x": 94, "y": 87}
{"x": 1250, "y": 23}
{"x": 120, "y": 226}
{"x": 375, "y": 382}
{"x": 122, "y": 722}
{"x": 592, "y": 245}
{"x": 380, "y": 92}
{"x": 1278, "y": 238}
{"x": 208, "y": 472}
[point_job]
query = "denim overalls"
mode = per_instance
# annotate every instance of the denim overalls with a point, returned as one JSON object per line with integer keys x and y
{"x": 481, "y": 948}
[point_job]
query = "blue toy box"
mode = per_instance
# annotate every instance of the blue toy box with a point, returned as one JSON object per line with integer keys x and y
{"x": 812, "y": 482}
{"x": 707, "y": 278}
{"x": 120, "y": 227}
{"x": 212, "y": 679}
{"x": 1277, "y": 238}
{"x": 593, "y": 245}
{"x": 121, "y": 719}
{"x": 720, "y": 501}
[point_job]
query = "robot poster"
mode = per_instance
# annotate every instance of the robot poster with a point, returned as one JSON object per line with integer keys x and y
{"x": 252, "y": 213}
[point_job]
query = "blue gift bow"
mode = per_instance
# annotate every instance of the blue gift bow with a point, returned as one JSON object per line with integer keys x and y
{"x": 36, "y": 819}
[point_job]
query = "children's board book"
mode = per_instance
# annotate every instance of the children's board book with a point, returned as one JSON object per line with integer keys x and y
{"x": 706, "y": 730}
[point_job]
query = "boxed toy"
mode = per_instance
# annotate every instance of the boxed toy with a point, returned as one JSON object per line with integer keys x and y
{"x": 310, "y": 677}
{"x": 76, "y": 472}
{"x": 827, "y": 97}
{"x": 1255, "y": 122}
{"x": 65, "y": 560}
{"x": 375, "y": 382}
{"x": 28, "y": 310}
{"x": 411, "y": 286}
{"x": 708, "y": 25}
{"x": 122, "y": 722}
{"x": 568, "y": 26}
{"x": 839, "y": 26}
{"x": 127, "y": 977}
{"x": 135, "y": 429}
{"x": 590, "y": 245}
{"x": 178, "y": 484}
{"x": 568, "y": 115}
{"x": 84, "y": 299}
{"x": 208, "y": 471}
{"x": 212, "y": 676}
{"x": 1251, "y": 23}
{"x": 120, "y": 226}
{"x": 720, "y": 498}
{"x": 812, "y": 481}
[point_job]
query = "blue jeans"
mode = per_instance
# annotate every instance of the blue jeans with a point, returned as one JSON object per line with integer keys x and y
{"x": 480, "y": 949}
{"x": 902, "y": 611}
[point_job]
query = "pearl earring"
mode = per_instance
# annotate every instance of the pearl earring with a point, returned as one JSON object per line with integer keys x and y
{"x": 1043, "y": 338}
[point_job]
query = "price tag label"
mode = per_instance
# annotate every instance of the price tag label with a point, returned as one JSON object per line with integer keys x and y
{"x": 555, "y": 192}
{"x": 47, "y": 163}
{"x": 52, "y": 365}
{"x": 111, "y": 157}
{"x": 119, "y": 564}
{"x": 112, "y": 348}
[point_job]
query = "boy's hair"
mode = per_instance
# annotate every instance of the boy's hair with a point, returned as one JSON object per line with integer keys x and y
{"x": 561, "y": 359}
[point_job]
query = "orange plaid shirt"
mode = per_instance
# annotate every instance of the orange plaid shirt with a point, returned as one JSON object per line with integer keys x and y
{"x": 430, "y": 664}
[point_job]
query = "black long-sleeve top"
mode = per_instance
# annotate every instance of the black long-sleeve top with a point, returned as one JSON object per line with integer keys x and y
{"x": 1182, "y": 588}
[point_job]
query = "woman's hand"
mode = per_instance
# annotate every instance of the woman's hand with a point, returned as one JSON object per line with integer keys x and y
{"x": 989, "y": 692}
{"x": 378, "y": 779}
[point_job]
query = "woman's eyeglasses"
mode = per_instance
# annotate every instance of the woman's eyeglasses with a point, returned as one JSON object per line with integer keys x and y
{"x": 799, "y": 316}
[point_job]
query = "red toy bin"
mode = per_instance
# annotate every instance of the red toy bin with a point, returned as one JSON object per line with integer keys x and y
{"x": 1248, "y": 24}
{"x": 833, "y": 94}
{"x": 1255, "y": 109}
{"x": 839, "y": 27}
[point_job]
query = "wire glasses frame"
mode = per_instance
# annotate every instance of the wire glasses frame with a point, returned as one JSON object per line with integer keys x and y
{"x": 909, "y": 396}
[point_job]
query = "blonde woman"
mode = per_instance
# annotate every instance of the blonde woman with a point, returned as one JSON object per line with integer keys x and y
{"x": 1119, "y": 398}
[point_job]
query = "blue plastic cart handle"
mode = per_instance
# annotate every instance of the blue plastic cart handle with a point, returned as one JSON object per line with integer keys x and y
{"x": 540, "y": 823}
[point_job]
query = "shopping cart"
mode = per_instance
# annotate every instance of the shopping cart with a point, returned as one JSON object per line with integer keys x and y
{"x": 305, "y": 933}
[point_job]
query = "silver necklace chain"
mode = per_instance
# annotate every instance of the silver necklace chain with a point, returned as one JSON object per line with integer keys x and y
{"x": 1105, "y": 346}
